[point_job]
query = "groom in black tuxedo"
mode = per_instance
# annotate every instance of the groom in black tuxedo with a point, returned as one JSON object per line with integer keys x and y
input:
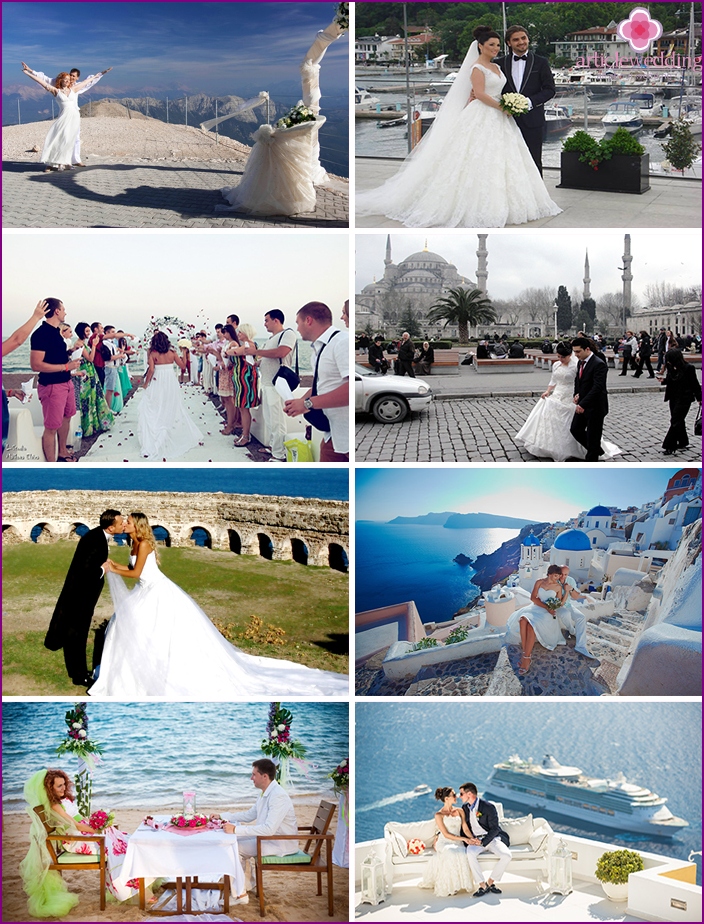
{"x": 70, "y": 623}
{"x": 590, "y": 398}
{"x": 530, "y": 75}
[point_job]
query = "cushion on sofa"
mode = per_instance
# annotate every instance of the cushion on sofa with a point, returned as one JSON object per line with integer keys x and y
{"x": 398, "y": 843}
{"x": 519, "y": 830}
{"x": 539, "y": 838}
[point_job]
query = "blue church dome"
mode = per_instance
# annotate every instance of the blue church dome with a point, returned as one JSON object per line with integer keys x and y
{"x": 573, "y": 540}
{"x": 599, "y": 512}
{"x": 531, "y": 540}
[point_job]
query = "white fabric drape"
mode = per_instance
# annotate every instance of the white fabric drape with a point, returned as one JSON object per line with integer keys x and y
{"x": 341, "y": 846}
{"x": 244, "y": 106}
{"x": 310, "y": 87}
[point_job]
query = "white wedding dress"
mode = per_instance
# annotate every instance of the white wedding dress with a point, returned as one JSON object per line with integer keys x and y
{"x": 448, "y": 871}
{"x": 164, "y": 426}
{"x": 548, "y": 629}
{"x": 546, "y": 432}
{"x": 161, "y": 643}
{"x": 480, "y": 175}
{"x": 60, "y": 142}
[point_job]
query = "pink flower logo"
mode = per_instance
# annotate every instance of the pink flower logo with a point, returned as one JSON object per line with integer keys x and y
{"x": 639, "y": 30}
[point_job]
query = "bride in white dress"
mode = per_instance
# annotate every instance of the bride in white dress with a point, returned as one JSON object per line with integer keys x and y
{"x": 59, "y": 144}
{"x": 546, "y": 432}
{"x": 161, "y": 643}
{"x": 473, "y": 169}
{"x": 448, "y": 870}
{"x": 537, "y": 620}
{"x": 164, "y": 426}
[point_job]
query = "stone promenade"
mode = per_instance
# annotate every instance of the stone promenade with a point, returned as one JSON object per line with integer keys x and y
{"x": 154, "y": 194}
{"x": 481, "y": 429}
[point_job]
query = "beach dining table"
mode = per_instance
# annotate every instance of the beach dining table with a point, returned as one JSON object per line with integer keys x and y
{"x": 195, "y": 860}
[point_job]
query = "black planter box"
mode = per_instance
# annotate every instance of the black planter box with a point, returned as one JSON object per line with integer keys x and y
{"x": 624, "y": 173}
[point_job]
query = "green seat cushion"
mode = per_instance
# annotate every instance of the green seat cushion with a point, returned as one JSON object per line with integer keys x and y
{"x": 79, "y": 858}
{"x": 299, "y": 857}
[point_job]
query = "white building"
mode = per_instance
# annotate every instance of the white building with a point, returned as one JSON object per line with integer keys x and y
{"x": 531, "y": 567}
{"x": 682, "y": 320}
{"x": 594, "y": 47}
{"x": 573, "y": 549}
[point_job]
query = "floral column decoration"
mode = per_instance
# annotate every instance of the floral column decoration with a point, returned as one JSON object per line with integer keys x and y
{"x": 88, "y": 753}
{"x": 278, "y": 744}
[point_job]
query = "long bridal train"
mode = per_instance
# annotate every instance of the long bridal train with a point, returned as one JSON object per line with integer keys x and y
{"x": 161, "y": 643}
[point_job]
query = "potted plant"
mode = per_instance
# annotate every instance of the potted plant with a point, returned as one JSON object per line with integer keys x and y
{"x": 681, "y": 149}
{"x": 613, "y": 869}
{"x": 616, "y": 164}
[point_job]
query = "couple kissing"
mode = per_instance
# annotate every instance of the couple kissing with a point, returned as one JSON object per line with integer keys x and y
{"x": 466, "y": 831}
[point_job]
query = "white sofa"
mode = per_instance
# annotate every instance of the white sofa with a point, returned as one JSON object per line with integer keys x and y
{"x": 530, "y": 841}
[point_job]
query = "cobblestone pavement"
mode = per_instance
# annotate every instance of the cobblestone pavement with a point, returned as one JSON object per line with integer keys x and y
{"x": 161, "y": 194}
{"x": 482, "y": 429}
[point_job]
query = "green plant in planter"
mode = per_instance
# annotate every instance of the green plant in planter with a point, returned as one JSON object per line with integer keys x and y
{"x": 623, "y": 142}
{"x": 681, "y": 148}
{"x": 425, "y": 643}
{"x": 595, "y": 152}
{"x": 614, "y": 866}
{"x": 458, "y": 634}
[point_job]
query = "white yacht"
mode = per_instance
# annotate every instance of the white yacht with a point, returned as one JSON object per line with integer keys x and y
{"x": 622, "y": 115}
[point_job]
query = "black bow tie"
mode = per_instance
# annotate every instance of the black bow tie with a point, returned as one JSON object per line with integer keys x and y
{"x": 523, "y": 58}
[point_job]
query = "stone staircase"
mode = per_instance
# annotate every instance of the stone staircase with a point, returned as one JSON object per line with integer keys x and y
{"x": 562, "y": 672}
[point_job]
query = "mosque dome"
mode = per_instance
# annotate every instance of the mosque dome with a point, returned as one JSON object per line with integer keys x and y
{"x": 573, "y": 540}
{"x": 531, "y": 540}
{"x": 424, "y": 256}
{"x": 599, "y": 512}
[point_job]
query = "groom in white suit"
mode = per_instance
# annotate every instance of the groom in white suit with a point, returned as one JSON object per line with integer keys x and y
{"x": 273, "y": 813}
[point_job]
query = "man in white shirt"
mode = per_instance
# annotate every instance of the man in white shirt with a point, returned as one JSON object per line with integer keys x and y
{"x": 483, "y": 821}
{"x": 276, "y": 352}
{"x": 330, "y": 391}
{"x": 272, "y": 814}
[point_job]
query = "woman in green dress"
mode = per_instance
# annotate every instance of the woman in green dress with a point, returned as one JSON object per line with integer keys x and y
{"x": 96, "y": 416}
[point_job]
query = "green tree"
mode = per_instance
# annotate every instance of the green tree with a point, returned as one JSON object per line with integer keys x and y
{"x": 564, "y": 309}
{"x": 465, "y": 308}
{"x": 589, "y": 305}
{"x": 584, "y": 321}
{"x": 408, "y": 321}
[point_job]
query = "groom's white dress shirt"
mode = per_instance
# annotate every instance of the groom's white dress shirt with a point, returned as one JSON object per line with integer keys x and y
{"x": 518, "y": 69}
{"x": 496, "y": 847}
{"x": 272, "y": 814}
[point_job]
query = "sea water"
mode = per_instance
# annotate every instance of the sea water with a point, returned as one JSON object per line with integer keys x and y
{"x": 396, "y": 563}
{"x": 154, "y": 751}
{"x": 400, "y": 746}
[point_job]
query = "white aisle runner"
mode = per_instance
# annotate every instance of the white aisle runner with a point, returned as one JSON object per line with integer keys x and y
{"x": 122, "y": 445}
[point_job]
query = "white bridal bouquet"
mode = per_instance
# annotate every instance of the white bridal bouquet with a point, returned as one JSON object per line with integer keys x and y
{"x": 514, "y": 103}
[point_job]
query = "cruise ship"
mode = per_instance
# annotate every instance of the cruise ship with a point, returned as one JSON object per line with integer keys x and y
{"x": 567, "y": 792}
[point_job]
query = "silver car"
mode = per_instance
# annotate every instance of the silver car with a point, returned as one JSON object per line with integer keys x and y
{"x": 389, "y": 398}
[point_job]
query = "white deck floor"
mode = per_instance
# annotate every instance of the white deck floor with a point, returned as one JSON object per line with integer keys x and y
{"x": 522, "y": 899}
{"x": 121, "y": 445}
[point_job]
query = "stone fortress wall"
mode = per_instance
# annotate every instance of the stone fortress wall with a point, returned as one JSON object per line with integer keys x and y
{"x": 297, "y": 528}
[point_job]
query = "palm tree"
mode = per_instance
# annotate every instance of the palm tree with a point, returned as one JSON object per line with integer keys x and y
{"x": 464, "y": 307}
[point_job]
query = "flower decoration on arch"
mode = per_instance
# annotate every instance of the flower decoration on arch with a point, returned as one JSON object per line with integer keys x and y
{"x": 639, "y": 30}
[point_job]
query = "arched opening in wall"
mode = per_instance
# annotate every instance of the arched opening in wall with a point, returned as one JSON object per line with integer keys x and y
{"x": 266, "y": 546}
{"x": 337, "y": 558}
{"x": 299, "y": 551}
{"x": 78, "y": 530}
{"x": 41, "y": 533}
{"x": 235, "y": 541}
{"x": 10, "y": 533}
{"x": 201, "y": 537}
{"x": 162, "y": 536}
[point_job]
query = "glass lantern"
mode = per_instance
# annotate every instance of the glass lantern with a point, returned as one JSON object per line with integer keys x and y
{"x": 373, "y": 886}
{"x": 560, "y": 869}
{"x": 189, "y": 802}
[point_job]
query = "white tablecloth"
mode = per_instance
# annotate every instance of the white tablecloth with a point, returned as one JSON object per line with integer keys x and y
{"x": 208, "y": 854}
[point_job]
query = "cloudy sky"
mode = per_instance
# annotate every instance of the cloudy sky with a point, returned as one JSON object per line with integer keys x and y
{"x": 519, "y": 260}
{"x": 530, "y": 492}
{"x": 161, "y": 48}
{"x": 124, "y": 277}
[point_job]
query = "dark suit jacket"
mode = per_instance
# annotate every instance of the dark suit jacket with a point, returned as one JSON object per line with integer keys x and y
{"x": 683, "y": 389}
{"x": 538, "y": 85}
{"x": 82, "y": 587}
{"x": 406, "y": 350}
{"x": 488, "y": 818}
{"x": 591, "y": 388}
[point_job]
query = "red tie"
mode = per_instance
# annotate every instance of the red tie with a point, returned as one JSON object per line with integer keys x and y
{"x": 581, "y": 367}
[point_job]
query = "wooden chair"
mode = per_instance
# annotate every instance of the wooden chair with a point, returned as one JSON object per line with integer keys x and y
{"x": 309, "y": 860}
{"x": 62, "y": 859}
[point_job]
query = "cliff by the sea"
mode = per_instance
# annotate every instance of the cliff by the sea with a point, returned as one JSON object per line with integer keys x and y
{"x": 494, "y": 567}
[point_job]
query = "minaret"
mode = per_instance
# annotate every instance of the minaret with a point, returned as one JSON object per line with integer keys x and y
{"x": 482, "y": 272}
{"x": 627, "y": 275}
{"x": 387, "y": 261}
{"x": 587, "y": 281}
{"x": 425, "y": 249}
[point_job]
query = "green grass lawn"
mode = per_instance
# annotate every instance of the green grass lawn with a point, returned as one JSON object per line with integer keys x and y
{"x": 309, "y": 604}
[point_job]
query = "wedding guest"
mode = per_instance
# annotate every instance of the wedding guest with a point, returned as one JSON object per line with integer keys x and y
{"x": 330, "y": 390}
{"x": 273, "y": 813}
{"x": 245, "y": 379}
{"x": 682, "y": 389}
{"x": 112, "y": 383}
{"x": 15, "y": 340}
{"x": 48, "y": 358}
{"x": 645, "y": 351}
{"x": 345, "y": 316}
{"x": 99, "y": 357}
{"x": 96, "y": 416}
{"x": 227, "y": 336}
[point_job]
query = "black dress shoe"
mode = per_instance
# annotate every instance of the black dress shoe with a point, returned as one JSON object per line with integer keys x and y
{"x": 494, "y": 888}
{"x": 85, "y": 682}
{"x": 668, "y": 452}
{"x": 480, "y": 892}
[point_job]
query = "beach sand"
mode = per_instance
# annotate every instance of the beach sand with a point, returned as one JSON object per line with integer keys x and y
{"x": 288, "y": 897}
